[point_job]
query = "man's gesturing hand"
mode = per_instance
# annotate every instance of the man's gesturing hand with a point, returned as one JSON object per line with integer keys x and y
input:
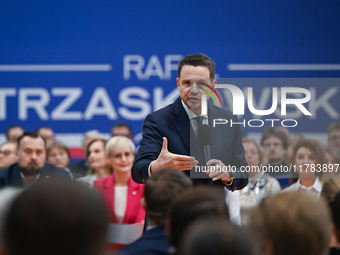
{"x": 218, "y": 170}
{"x": 171, "y": 160}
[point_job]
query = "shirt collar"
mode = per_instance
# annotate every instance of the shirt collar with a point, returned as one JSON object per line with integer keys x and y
{"x": 24, "y": 181}
{"x": 190, "y": 114}
{"x": 317, "y": 185}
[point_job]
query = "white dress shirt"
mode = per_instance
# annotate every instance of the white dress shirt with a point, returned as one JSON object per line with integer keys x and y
{"x": 314, "y": 190}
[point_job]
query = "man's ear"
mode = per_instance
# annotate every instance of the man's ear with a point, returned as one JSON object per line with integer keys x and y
{"x": 142, "y": 203}
{"x": 177, "y": 80}
{"x": 213, "y": 83}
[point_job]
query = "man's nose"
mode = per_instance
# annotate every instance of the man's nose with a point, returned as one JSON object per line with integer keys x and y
{"x": 194, "y": 88}
{"x": 34, "y": 155}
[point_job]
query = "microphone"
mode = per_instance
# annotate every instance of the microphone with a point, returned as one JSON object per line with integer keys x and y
{"x": 205, "y": 141}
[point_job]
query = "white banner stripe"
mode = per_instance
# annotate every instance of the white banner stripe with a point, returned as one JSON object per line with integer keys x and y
{"x": 283, "y": 67}
{"x": 55, "y": 68}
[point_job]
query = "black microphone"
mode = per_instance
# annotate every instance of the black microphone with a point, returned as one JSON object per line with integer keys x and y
{"x": 204, "y": 141}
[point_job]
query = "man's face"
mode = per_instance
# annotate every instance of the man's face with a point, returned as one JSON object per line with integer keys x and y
{"x": 334, "y": 138}
{"x": 14, "y": 134}
{"x": 190, "y": 94}
{"x": 32, "y": 155}
{"x": 274, "y": 149}
{"x": 48, "y": 134}
{"x": 8, "y": 155}
{"x": 58, "y": 157}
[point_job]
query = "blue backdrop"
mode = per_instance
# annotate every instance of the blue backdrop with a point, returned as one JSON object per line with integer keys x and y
{"x": 118, "y": 59}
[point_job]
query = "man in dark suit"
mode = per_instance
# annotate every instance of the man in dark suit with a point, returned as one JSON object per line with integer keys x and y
{"x": 161, "y": 189}
{"x": 31, "y": 164}
{"x": 169, "y": 134}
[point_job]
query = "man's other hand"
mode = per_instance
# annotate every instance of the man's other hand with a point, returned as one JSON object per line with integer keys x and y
{"x": 171, "y": 160}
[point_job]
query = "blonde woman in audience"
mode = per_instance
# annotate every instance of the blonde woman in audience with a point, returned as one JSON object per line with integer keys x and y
{"x": 260, "y": 185}
{"x": 98, "y": 168}
{"x": 308, "y": 165}
{"x": 121, "y": 194}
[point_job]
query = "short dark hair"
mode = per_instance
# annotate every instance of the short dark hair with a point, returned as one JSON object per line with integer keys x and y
{"x": 333, "y": 126}
{"x": 30, "y": 134}
{"x": 9, "y": 129}
{"x": 56, "y": 217}
{"x": 161, "y": 188}
{"x": 122, "y": 124}
{"x": 277, "y": 133}
{"x": 197, "y": 59}
{"x": 192, "y": 204}
{"x": 215, "y": 236}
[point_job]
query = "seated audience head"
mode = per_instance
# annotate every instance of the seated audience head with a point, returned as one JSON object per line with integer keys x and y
{"x": 284, "y": 130}
{"x": 254, "y": 155}
{"x": 332, "y": 155}
{"x": 58, "y": 154}
{"x": 13, "y": 133}
{"x": 160, "y": 190}
{"x": 308, "y": 154}
{"x": 275, "y": 144}
{"x": 8, "y": 154}
{"x": 334, "y": 134}
{"x": 96, "y": 157}
{"x": 122, "y": 129}
{"x": 47, "y": 133}
{"x": 120, "y": 152}
{"x": 88, "y": 137}
{"x": 53, "y": 217}
{"x": 215, "y": 236}
{"x": 31, "y": 154}
{"x": 192, "y": 204}
{"x": 291, "y": 223}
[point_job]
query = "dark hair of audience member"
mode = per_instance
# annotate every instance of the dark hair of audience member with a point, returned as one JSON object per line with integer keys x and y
{"x": 192, "y": 204}
{"x": 334, "y": 126}
{"x": 215, "y": 236}
{"x": 56, "y": 217}
{"x": 9, "y": 129}
{"x": 277, "y": 133}
{"x": 30, "y": 134}
{"x": 160, "y": 189}
{"x": 291, "y": 223}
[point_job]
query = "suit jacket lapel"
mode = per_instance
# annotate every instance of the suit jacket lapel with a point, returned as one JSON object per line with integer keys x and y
{"x": 15, "y": 178}
{"x": 110, "y": 198}
{"x": 181, "y": 122}
{"x": 131, "y": 202}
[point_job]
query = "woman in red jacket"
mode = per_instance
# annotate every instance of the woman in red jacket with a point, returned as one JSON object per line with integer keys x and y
{"x": 122, "y": 195}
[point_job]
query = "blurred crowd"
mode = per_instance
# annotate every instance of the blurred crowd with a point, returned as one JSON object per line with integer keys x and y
{"x": 50, "y": 205}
